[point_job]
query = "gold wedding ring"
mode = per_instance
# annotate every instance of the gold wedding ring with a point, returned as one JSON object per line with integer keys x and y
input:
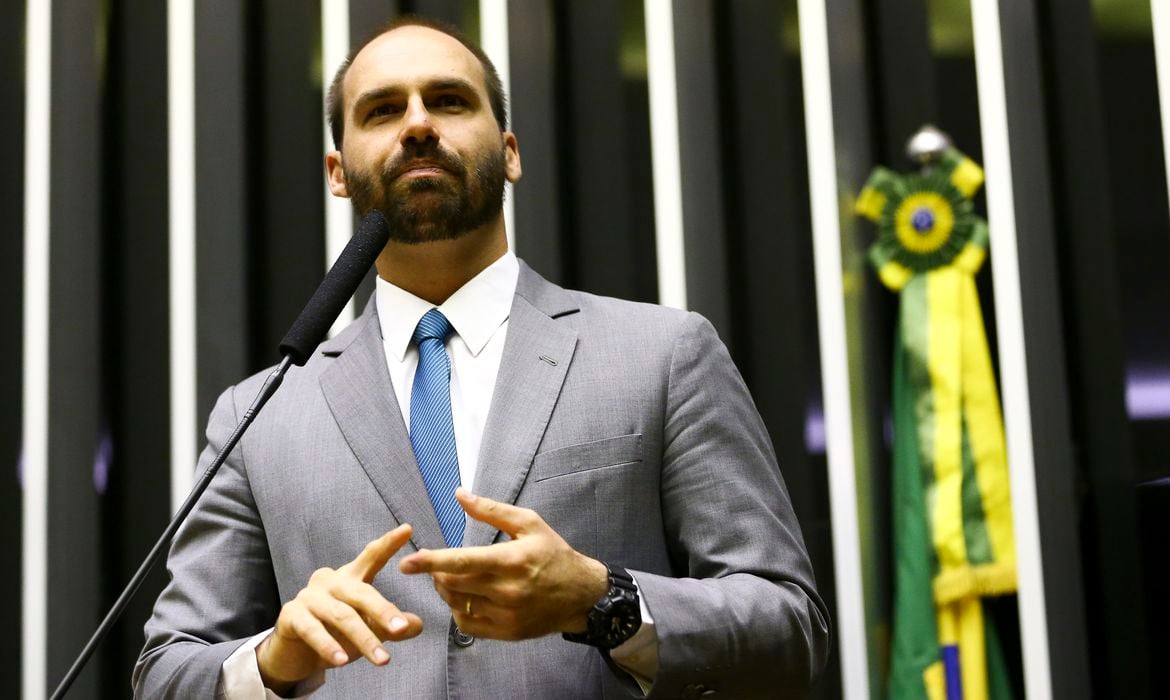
{"x": 468, "y": 608}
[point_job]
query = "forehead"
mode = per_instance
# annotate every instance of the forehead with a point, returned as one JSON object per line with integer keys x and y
{"x": 411, "y": 56}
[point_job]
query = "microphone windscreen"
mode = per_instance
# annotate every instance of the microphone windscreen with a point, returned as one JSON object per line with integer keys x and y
{"x": 336, "y": 289}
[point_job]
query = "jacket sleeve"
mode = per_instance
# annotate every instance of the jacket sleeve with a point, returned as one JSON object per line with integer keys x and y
{"x": 222, "y": 589}
{"x": 743, "y": 618}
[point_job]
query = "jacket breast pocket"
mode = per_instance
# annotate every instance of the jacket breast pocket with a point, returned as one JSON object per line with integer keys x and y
{"x": 609, "y": 452}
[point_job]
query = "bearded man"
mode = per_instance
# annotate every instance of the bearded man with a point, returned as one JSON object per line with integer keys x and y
{"x": 487, "y": 486}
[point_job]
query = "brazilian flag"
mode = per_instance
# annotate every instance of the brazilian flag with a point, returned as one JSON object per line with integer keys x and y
{"x": 953, "y": 540}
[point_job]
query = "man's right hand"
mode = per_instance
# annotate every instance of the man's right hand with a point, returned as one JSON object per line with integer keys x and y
{"x": 337, "y": 618}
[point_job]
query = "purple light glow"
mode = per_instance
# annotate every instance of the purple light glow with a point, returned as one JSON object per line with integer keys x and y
{"x": 814, "y": 431}
{"x": 1147, "y": 395}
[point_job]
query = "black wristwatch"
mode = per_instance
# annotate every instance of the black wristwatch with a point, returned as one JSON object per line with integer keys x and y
{"x": 616, "y": 617}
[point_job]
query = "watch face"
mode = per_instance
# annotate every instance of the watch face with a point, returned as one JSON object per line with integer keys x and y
{"x": 621, "y": 619}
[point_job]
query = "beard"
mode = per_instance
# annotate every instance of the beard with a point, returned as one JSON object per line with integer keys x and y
{"x": 421, "y": 210}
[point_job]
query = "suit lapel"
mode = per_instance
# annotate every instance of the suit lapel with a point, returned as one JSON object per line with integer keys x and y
{"x": 536, "y": 358}
{"x": 358, "y": 389}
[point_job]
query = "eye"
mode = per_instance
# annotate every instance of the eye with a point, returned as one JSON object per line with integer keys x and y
{"x": 383, "y": 110}
{"x": 450, "y": 102}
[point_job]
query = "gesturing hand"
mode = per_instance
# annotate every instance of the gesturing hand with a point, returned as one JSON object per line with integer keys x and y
{"x": 337, "y": 618}
{"x": 529, "y": 586}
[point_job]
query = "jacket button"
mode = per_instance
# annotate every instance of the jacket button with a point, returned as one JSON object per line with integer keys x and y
{"x": 463, "y": 639}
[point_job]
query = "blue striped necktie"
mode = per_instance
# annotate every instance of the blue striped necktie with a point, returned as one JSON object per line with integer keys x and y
{"x": 432, "y": 432}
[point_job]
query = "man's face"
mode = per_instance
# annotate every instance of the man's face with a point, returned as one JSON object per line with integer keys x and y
{"x": 421, "y": 144}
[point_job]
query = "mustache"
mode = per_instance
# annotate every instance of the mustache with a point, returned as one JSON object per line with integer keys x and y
{"x": 431, "y": 155}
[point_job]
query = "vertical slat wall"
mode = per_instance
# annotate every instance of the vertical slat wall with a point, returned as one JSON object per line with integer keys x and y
{"x": 288, "y": 214}
{"x": 180, "y": 82}
{"x": 135, "y": 438}
{"x": 534, "y": 101}
{"x": 770, "y": 284}
{"x": 605, "y": 144}
{"x": 701, "y": 160}
{"x": 12, "y": 244}
{"x": 34, "y": 441}
{"x": 1089, "y": 248}
{"x": 226, "y": 172}
{"x": 828, "y": 84}
{"x": 76, "y": 395}
{"x": 1052, "y": 622}
{"x": 335, "y": 41}
{"x": 662, "y": 79}
{"x": 494, "y": 38}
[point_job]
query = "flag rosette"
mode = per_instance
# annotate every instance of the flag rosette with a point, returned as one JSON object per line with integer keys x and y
{"x": 953, "y": 539}
{"x": 925, "y": 220}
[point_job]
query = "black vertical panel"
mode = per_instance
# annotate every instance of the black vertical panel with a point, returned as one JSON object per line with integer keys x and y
{"x": 456, "y": 12}
{"x": 365, "y": 18}
{"x": 136, "y": 322}
{"x": 12, "y": 48}
{"x": 1041, "y": 307}
{"x": 76, "y": 411}
{"x": 227, "y": 170}
{"x": 607, "y": 198}
{"x": 1118, "y": 638}
{"x": 700, "y": 158}
{"x": 904, "y": 76}
{"x": 533, "y": 51}
{"x": 288, "y": 223}
{"x": 769, "y": 248}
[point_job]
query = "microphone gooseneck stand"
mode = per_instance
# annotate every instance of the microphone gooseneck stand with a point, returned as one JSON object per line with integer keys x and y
{"x": 297, "y": 346}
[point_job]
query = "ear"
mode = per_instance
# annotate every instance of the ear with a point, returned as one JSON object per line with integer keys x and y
{"x": 512, "y": 168}
{"x": 336, "y": 174}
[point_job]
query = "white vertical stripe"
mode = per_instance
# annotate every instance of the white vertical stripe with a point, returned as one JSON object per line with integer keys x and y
{"x": 181, "y": 172}
{"x": 825, "y": 204}
{"x": 664, "y": 150}
{"x": 1013, "y": 361}
{"x": 1160, "y": 14}
{"x": 338, "y": 211}
{"x": 493, "y": 34}
{"x": 35, "y": 398}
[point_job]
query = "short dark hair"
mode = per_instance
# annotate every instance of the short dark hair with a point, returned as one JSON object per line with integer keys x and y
{"x": 335, "y": 99}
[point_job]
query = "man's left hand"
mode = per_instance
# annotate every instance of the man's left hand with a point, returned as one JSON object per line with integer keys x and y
{"x": 532, "y": 585}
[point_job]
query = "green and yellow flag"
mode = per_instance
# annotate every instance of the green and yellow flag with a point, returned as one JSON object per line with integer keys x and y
{"x": 953, "y": 541}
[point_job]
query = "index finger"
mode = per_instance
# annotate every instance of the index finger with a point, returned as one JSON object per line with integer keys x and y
{"x": 460, "y": 560}
{"x": 505, "y": 517}
{"x": 371, "y": 560}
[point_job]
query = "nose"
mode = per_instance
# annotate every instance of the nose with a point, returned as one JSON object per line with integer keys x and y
{"x": 417, "y": 126}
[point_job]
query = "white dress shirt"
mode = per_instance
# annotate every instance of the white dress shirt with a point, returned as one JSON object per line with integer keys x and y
{"x": 478, "y": 313}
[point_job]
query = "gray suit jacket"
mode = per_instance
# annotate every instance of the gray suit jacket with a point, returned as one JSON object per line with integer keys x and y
{"x": 625, "y": 426}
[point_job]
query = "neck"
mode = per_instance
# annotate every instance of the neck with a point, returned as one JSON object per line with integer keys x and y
{"x": 436, "y": 270}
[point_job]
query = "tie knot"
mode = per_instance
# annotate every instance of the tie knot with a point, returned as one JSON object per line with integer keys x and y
{"x": 433, "y": 324}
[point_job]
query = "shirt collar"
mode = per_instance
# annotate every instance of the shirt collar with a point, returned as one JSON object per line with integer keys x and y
{"x": 476, "y": 310}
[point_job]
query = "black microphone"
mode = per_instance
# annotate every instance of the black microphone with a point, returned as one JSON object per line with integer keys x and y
{"x": 331, "y": 296}
{"x": 336, "y": 289}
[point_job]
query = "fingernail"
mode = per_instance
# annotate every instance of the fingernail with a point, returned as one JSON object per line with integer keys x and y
{"x": 471, "y": 497}
{"x": 408, "y": 567}
{"x": 339, "y": 657}
{"x": 380, "y": 655}
{"x": 397, "y": 624}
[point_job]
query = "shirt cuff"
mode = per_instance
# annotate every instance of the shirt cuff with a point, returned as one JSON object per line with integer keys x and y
{"x": 240, "y": 679}
{"x": 638, "y": 655}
